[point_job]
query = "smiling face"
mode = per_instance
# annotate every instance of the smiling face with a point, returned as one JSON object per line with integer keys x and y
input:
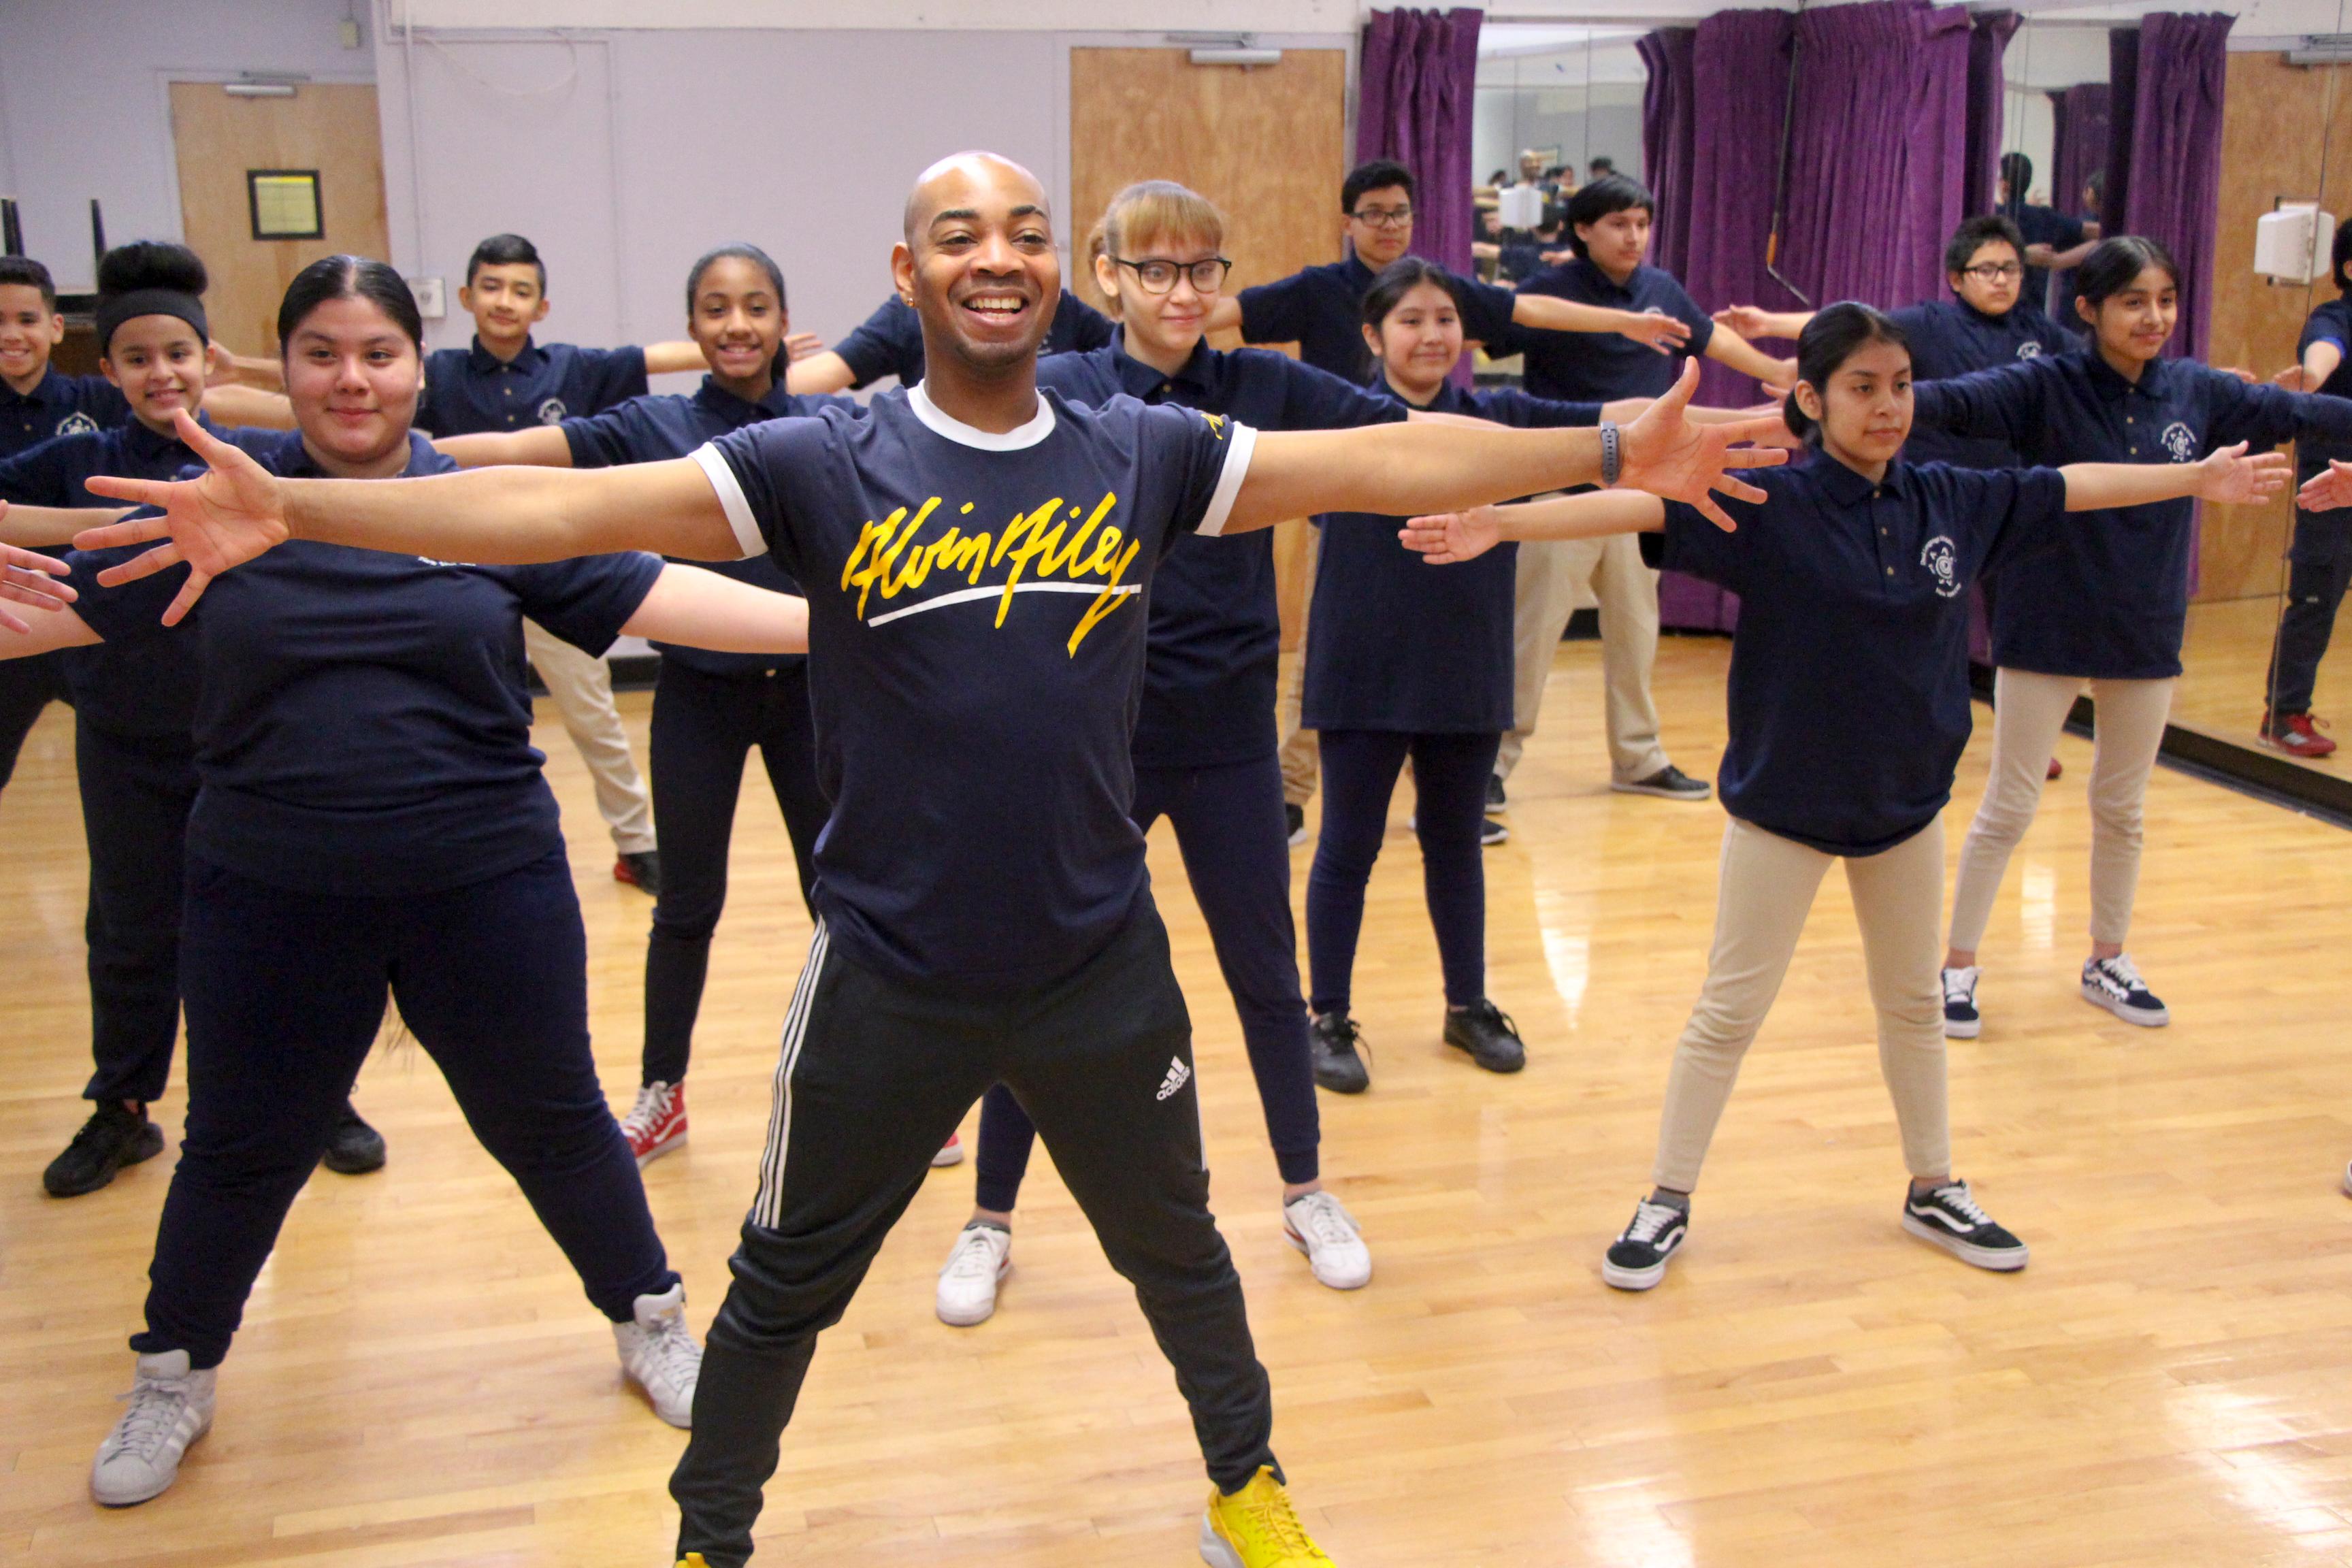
{"x": 29, "y": 329}
{"x": 1166, "y": 326}
{"x": 1419, "y": 342}
{"x": 2135, "y": 321}
{"x": 159, "y": 364}
{"x": 737, "y": 320}
{"x": 978, "y": 262}
{"x": 1993, "y": 279}
{"x": 1864, "y": 411}
{"x": 353, "y": 376}
{"x": 506, "y": 299}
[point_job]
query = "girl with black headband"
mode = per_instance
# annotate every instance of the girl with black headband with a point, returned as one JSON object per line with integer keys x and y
{"x": 136, "y": 702}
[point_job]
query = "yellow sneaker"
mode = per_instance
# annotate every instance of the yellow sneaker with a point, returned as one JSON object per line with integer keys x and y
{"x": 1256, "y": 1528}
{"x": 692, "y": 1560}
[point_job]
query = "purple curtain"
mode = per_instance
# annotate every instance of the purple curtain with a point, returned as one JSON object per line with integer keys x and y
{"x": 1667, "y": 141}
{"x": 1988, "y": 35}
{"x": 2123, "y": 96}
{"x": 1418, "y": 75}
{"x": 2079, "y": 118}
{"x": 2175, "y": 141}
{"x": 1878, "y": 153}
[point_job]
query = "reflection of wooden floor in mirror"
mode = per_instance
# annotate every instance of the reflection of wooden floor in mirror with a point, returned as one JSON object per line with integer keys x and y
{"x": 2224, "y": 660}
{"x": 419, "y": 1380}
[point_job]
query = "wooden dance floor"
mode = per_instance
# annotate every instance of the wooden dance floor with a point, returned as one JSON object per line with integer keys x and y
{"x": 420, "y": 1381}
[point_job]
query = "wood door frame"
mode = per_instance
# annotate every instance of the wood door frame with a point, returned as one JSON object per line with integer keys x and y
{"x": 166, "y": 76}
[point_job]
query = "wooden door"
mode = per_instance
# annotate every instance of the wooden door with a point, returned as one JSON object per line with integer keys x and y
{"x": 1266, "y": 143}
{"x": 327, "y": 126}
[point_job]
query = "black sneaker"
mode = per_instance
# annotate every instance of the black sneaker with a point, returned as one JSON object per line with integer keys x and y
{"x": 114, "y": 1136}
{"x": 1950, "y": 1218}
{"x": 640, "y": 870}
{"x": 1294, "y": 818}
{"x": 1338, "y": 1048}
{"x": 1491, "y": 833}
{"x": 2114, "y": 983}
{"x": 1961, "y": 1019}
{"x": 1487, "y": 1032}
{"x": 1495, "y": 804}
{"x": 353, "y": 1148}
{"x": 1637, "y": 1259}
{"x": 1669, "y": 782}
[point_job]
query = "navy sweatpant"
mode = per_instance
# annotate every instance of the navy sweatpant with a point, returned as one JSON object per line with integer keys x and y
{"x": 1236, "y": 848}
{"x": 136, "y": 792}
{"x": 284, "y": 992}
{"x": 1449, "y": 781}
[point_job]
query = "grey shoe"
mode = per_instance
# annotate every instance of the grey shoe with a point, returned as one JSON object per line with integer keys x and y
{"x": 171, "y": 1407}
{"x": 660, "y": 1355}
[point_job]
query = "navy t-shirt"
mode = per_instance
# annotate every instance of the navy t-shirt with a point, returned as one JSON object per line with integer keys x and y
{"x": 1398, "y": 644}
{"x": 1595, "y": 367}
{"x": 2331, "y": 323}
{"x": 1321, "y": 309}
{"x": 141, "y": 686}
{"x": 891, "y": 341}
{"x": 2114, "y": 600}
{"x": 1849, "y": 692}
{"x": 2046, "y": 226}
{"x": 662, "y": 425}
{"x": 1216, "y": 622}
{"x": 1949, "y": 338}
{"x": 59, "y": 404}
{"x": 364, "y": 728}
{"x": 470, "y": 390}
{"x": 976, "y": 651}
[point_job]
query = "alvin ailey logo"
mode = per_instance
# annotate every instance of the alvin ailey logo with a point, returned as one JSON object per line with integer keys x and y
{"x": 1036, "y": 552}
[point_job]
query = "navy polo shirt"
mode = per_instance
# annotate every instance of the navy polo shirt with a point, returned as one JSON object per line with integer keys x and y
{"x": 2114, "y": 600}
{"x": 1398, "y": 644}
{"x": 364, "y": 728}
{"x": 662, "y": 425}
{"x": 2046, "y": 226}
{"x": 1848, "y": 696}
{"x": 1321, "y": 309}
{"x": 1949, "y": 338}
{"x": 1595, "y": 367}
{"x": 141, "y": 686}
{"x": 976, "y": 652}
{"x": 59, "y": 404}
{"x": 891, "y": 341}
{"x": 470, "y": 390}
{"x": 2331, "y": 323}
{"x": 1215, "y": 636}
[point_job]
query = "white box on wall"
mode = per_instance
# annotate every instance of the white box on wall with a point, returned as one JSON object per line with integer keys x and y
{"x": 2294, "y": 244}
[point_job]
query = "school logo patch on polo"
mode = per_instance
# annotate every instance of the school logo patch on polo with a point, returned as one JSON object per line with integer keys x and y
{"x": 2180, "y": 442}
{"x": 77, "y": 424}
{"x": 2028, "y": 349}
{"x": 552, "y": 412}
{"x": 1941, "y": 557}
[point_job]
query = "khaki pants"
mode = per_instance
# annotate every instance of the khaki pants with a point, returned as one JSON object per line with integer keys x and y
{"x": 1548, "y": 575}
{"x": 2029, "y": 710}
{"x": 581, "y": 687}
{"x": 1299, "y": 751}
{"x": 1768, "y": 886}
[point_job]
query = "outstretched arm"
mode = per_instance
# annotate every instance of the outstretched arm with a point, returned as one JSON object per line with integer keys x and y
{"x": 1425, "y": 468}
{"x": 2319, "y": 361}
{"x": 2229, "y": 476}
{"x": 239, "y": 404}
{"x": 1731, "y": 349}
{"x": 26, "y": 578}
{"x": 1450, "y": 537}
{"x": 2328, "y": 490}
{"x": 238, "y": 510}
{"x": 1755, "y": 321}
{"x": 678, "y": 355}
{"x": 541, "y": 446}
{"x": 703, "y": 609}
{"x": 1652, "y": 329}
{"x": 221, "y": 367}
{"x": 48, "y": 527}
{"x": 821, "y": 372}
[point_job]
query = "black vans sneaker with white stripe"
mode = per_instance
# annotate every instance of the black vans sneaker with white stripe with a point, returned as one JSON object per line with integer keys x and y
{"x": 1961, "y": 1019}
{"x": 1950, "y": 1218}
{"x": 1637, "y": 1259}
{"x": 2114, "y": 983}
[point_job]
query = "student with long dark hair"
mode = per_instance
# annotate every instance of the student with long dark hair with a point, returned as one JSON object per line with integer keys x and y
{"x": 711, "y": 710}
{"x": 2110, "y": 606}
{"x": 371, "y": 816}
{"x": 2319, "y": 560}
{"x": 1849, "y": 708}
{"x": 978, "y": 554}
{"x": 133, "y": 757}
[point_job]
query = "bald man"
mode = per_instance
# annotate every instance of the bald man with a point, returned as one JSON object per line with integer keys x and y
{"x": 977, "y": 556}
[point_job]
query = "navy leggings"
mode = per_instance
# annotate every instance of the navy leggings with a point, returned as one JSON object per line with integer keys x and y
{"x": 1236, "y": 848}
{"x": 136, "y": 794}
{"x": 285, "y": 992}
{"x": 704, "y": 726}
{"x": 1449, "y": 781}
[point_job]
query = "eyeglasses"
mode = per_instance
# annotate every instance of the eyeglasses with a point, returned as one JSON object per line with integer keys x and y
{"x": 1159, "y": 276}
{"x": 1996, "y": 272}
{"x": 1382, "y": 217}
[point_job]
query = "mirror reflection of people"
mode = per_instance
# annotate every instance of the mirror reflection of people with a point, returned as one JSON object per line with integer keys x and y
{"x": 2319, "y": 560}
{"x": 1849, "y": 710}
{"x": 2055, "y": 240}
{"x": 2109, "y": 607}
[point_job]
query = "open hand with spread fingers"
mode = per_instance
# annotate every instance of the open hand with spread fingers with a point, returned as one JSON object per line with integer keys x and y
{"x": 1668, "y": 456}
{"x": 2234, "y": 478}
{"x": 223, "y": 518}
{"x": 2329, "y": 488}
{"x": 29, "y": 577}
{"x": 1449, "y": 537}
{"x": 1657, "y": 330}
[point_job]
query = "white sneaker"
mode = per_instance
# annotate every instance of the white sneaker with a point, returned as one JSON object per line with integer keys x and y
{"x": 983, "y": 1255}
{"x": 1961, "y": 1020}
{"x": 171, "y": 1407}
{"x": 1320, "y": 1226}
{"x": 2114, "y": 984}
{"x": 660, "y": 1355}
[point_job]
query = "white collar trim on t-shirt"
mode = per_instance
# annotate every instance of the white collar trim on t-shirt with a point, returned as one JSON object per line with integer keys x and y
{"x": 1014, "y": 440}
